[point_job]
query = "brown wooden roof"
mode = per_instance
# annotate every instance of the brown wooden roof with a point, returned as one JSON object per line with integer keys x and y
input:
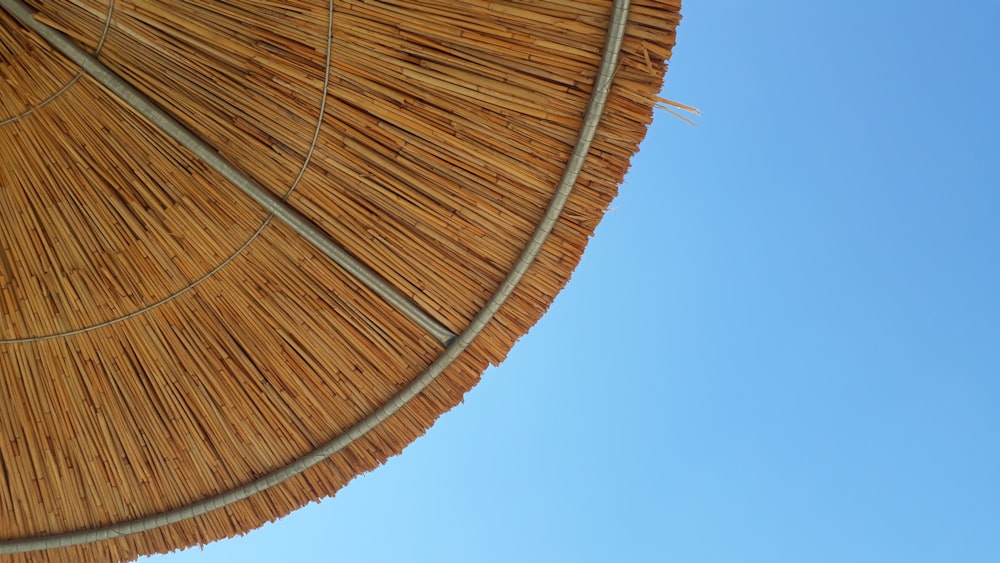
{"x": 166, "y": 340}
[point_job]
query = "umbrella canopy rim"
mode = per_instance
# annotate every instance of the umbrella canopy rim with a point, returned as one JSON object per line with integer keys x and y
{"x": 455, "y": 345}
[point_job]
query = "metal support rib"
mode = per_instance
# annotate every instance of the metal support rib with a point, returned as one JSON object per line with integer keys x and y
{"x": 459, "y": 344}
{"x": 206, "y": 153}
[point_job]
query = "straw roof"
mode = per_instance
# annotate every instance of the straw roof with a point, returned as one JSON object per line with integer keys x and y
{"x": 249, "y": 250}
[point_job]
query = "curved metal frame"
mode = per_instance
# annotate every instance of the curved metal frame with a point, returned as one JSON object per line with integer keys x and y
{"x": 62, "y": 90}
{"x": 454, "y": 349}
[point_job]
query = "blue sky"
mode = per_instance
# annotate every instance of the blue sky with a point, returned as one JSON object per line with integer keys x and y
{"x": 782, "y": 346}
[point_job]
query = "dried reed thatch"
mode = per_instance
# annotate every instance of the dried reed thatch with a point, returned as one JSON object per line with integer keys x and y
{"x": 165, "y": 340}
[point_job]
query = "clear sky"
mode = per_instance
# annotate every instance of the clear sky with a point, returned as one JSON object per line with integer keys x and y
{"x": 783, "y": 345}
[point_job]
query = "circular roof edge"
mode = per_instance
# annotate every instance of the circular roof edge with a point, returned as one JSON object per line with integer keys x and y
{"x": 454, "y": 344}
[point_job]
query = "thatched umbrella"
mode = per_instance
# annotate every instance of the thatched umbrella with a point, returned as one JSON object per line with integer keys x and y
{"x": 249, "y": 250}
